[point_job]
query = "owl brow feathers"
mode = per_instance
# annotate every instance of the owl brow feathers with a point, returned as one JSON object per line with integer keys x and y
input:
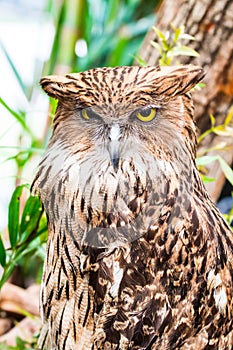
{"x": 169, "y": 81}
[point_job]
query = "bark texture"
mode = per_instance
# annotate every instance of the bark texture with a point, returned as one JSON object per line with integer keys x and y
{"x": 211, "y": 23}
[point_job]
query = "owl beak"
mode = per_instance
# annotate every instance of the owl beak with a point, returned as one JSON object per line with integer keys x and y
{"x": 115, "y": 162}
{"x": 114, "y": 145}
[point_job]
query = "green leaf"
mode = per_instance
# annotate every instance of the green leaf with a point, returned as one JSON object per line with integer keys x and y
{"x": 229, "y": 117}
{"x": 160, "y": 35}
{"x": 177, "y": 33}
{"x": 140, "y": 61}
{"x": 18, "y": 116}
{"x": 203, "y": 135}
{"x": 200, "y": 161}
{"x": 182, "y": 51}
{"x": 24, "y": 149}
{"x": 212, "y": 120}
{"x": 223, "y": 130}
{"x": 187, "y": 36}
{"x": 16, "y": 73}
{"x": 8, "y": 269}
{"x": 157, "y": 47}
{"x": 26, "y": 248}
{"x": 199, "y": 86}
{"x": 30, "y": 217}
{"x": 165, "y": 45}
{"x": 228, "y": 172}
{"x": 2, "y": 253}
{"x": 13, "y": 215}
{"x": 207, "y": 179}
{"x": 21, "y": 344}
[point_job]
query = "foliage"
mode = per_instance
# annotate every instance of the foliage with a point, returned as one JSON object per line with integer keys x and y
{"x": 20, "y": 345}
{"x": 226, "y": 130}
{"x": 229, "y": 216}
{"x": 27, "y": 231}
{"x": 111, "y": 32}
{"x": 170, "y": 46}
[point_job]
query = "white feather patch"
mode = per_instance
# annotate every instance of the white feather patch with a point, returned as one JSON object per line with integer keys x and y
{"x": 115, "y": 132}
{"x": 117, "y": 275}
{"x": 214, "y": 282}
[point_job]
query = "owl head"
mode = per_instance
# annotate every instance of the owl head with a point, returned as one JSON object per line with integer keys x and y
{"x": 111, "y": 105}
{"x": 122, "y": 137}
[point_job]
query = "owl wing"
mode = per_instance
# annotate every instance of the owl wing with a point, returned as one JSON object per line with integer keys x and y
{"x": 67, "y": 300}
{"x": 171, "y": 288}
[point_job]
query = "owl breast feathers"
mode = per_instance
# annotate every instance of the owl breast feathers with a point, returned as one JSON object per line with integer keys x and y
{"x": 138, "y": 257}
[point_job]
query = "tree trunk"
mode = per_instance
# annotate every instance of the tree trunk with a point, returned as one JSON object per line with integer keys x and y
{"x": 211, "y": 23}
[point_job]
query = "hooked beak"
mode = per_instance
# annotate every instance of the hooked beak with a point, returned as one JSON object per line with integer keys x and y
{"x": 114, "y": 145}
{"x": 114, "y": 154}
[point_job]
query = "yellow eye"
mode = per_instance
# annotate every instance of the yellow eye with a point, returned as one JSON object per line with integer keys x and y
{"x": 146, "y": 115}
{"x": 89, "y": 114}
{"x": 85, "y": 114}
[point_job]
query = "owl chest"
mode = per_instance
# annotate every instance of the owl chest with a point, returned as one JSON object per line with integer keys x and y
{"x": 89, "y": 198}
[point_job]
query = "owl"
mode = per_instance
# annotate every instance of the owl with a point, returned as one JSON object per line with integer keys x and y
{"x": 138, "y": 256}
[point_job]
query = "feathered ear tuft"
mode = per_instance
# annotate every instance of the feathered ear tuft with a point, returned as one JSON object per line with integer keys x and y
{"x": 178, "y": 80}
{"x": 56, "y": 86}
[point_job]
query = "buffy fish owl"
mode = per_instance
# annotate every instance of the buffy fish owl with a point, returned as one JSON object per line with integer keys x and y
{"x": 138, "y": 257}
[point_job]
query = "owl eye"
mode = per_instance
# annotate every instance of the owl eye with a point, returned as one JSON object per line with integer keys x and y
{"x": 146, "y": 115}
{"x": 85, "y": 114}
{"x": 88, "y": 114}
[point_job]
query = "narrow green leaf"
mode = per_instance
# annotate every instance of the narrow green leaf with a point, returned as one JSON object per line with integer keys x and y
{"x": 199, "y": 86}
{"x": 223, "y": 130}
{"x": 16, "y": 73}
{"x": 157, "y": 47}
{"x": 203, "y": 135}
{"x": 183, "y": 51}
{"x": 187, "y": 36}
{"x": 207, "y": 179}
{"x": 26, "y": 248}
{"x": 212, "y": 120}
{"x": 140, "y": 61}
{"x": 177, "y": 33}
{"x": 2, "y": 253}
{"x": 18, "y": 116}
{"x": 159, "y": 34}
{"x": 30, "y": 217}
{"x": 229, "y": 117}
{"x": 13, "y": 215}
{"x": 165, "y": 45}
{"x": 200, "y": 161}
{"x": 228, "y": 172}
{"x": 6, "y": 274}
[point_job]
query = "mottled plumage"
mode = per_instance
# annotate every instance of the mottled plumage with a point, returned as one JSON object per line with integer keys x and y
{"x": 138, "y": 257}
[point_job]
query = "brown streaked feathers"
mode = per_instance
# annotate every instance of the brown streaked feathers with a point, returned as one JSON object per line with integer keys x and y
{"x": 138, "y": 256}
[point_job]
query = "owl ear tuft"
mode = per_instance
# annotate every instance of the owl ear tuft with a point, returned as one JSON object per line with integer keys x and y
{"x": 55, "y": 86}
{"x": 179, "y": 80}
